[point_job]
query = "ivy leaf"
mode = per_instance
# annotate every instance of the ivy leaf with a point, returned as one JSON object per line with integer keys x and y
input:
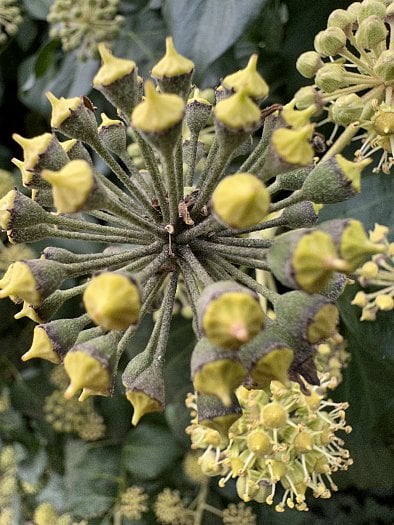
{"x": 150, "y": 449}
{"x": 37, "y": 9}
{"x": 368, "y": 386}
{"x": 204, "y": 29}
{"x": 90, "y": 478}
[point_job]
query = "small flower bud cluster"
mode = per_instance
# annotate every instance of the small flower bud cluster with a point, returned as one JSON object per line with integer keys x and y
{"x": 133, "y": 503}
{"x": 352, "y": 67}
{"x": 376, "y": 275}
{"x": 8, "y": 484}
{"x": 238, "y": 514}
{"x": 285, "y": 435}
{"x": 83, "y": 24}
{"x": 46, "y": 514}
{"x": 10, "y": 19}
{"x": 170, "y": 509}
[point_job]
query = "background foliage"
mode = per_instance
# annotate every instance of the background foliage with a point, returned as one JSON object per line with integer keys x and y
{"x": 85, "y": 478}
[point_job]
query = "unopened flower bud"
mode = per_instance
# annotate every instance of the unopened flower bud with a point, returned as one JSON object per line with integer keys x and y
{"x": 18, "y": 211}
{"x": 334, "y": 180}
{"x": 229, "y": 314}
{"x": 32, "y": 280}
{"x": 43, "y": 197}
{"x": 384, "y": 302}
{"x": 76, "y": 150}
{"x": 369, "y": 270}
{"x": 370, "y": 8}
{"x": 383, "y": 121}
{"x": 309, "y": 63}
{"x": 198, "y": 111}
{"x": 384, "y": 65}
{"x": 112, "y": 134}
{"x": 74, "y": 117}
{"x": 216, "y": 371}
{"x": 213, "y": 414}
{"x": 292, "y": 146}
{"x": 112, "y": 300}
{"x": 347, "y": 109}
{"x": 74, "y": 187}
{"x": 274, "y": 415}
{"x": 248, "y": 79}
{"x": 159, "y": 116}
{"x": 296, "y": 118}
{"x": 267, "y": 357}
{"x": 330, "y": 41}
{"x": 339, "y": 18}
{"x": 90, "y": 364}
{"x": 351, "y": 241}
{"x": 371, "y": 32}
{"x": 145, "y": 391}
{"x": 51, "y": 341}
{"x": 258, "y": 442}
{"x": 331, "y": 77}
{"x": 304, "y": 259}
{"x": 240, "y": 200}
{"x": 117, "y": 80}
{"x": 312, "y": 318}
{"x": 306, "y": 97}
{"x": 301, "y": 215}
{"x": 174, "y": 71}
{"x": 360, "y": 299}
{"x": 353, "y": 10}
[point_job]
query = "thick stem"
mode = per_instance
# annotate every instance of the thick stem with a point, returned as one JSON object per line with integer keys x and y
{"x": 239, "y": 251}
{"x": 165, "y": 317}
{"x": 257, "y": 157}
{"x": 191, "y": 167}
{"x": 195, "y": 265}
{"x": 172, "y": 190}
{"x": 178, "y": 159}
{"x": 209, "y": 225}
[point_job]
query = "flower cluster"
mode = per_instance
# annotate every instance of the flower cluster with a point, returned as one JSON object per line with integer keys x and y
{"x": 171, "y": 509}
{"x": 352, "y": 66}
{"x": 282, "y": 436}
{"x": 10, "y": 19}
{"x": 186, "y": 217}
{"x": 378, "y": 275}
{"x": 83, "y": 24}
{"x": 133, "y": 503}
{"x": 46, "y": 514}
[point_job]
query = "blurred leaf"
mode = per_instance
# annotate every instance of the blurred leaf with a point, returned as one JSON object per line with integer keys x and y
{"x": 53, "y": 492}
{"x": 26, "y": 34}
{"x": 31, "y": 468}
{"x": 45, "y": 58}
{"x": 90, "y": 478}
{"x": 368, "y": 386}
{"x": 150, "y": 449}
{"x": 204, "y": 29}
{"x": 37, "y": 8}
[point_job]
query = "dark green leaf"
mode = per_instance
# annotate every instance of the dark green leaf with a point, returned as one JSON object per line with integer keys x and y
{"x": 150, "y": 450}
{"x": 204, "y": 29}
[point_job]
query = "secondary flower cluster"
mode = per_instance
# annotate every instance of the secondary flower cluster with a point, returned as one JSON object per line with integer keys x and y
{"x": 83, "y": 24}
{"x": 185, "y": 217}
{"x": 10, "y": 19}
{"x": 378, "y": 275}
{"x": 269, "y": 437}
{"x": 352, "y": 66}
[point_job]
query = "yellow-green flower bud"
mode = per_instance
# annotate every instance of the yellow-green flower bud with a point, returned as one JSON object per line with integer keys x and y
{"x": 174, "y": 71}
{"x": 51, "y": 341}
{"x": 347, "y": 109}
{"x": 112, "y": 300}
{"x": 300, "y": 215}
{"x": 384, "y": 302}
{"x": 248, "y": 79}
{"x": 259, "y": 442}
{"x": 309, "y": 63}
{"x": 304, "y": 259}
{"x": 293, "y": 146}
{"x": 351, "y": 241}
{"x": 303, "y": 442}
{"x": 353, "y": 10}
{"x": 159, "y": 115}
{"x": 383, "y": 120}
{"x": 330, "y": 41}
{"x": 360, "y": 299}
{"x": 18, "y": 211}
{"x": 43, "y": 151}
{"x": 90, "y": 364}
{"x": 306, "y": 97}
{"x": 331, "y": 77}
{"x": 32, "y": 280}
{"x": 334, "y": 180}
{"x": 339, "y": 18}
{"x": 117, "y": 80}
{"x": 112, "y": 134}
{"x": 76, "y": 150}
{"x": 238, "y": 112}
{"x": 145, "y": 391}
{"x": 370, "y": 8}
{"x": 229, "y": 314}
{"x": 274, "y": 415}
{"x": 312, "y": 318}
{"x": 215, "y": 371}
{"x": 384, "y": 65}
{"x": 371, "y": 32}
{"x": 297, "y": 118}
{"x": 240, "y": 200}
{"x": 74, "y": 117}
{"x": 267, "y": 357}
{"x": 198, "y": 111}
{"x": 73, "y": 186}
{"x": 213, "y": 414}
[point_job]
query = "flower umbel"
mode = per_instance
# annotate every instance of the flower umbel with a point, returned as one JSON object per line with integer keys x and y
{"x": 10, "y": 19}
